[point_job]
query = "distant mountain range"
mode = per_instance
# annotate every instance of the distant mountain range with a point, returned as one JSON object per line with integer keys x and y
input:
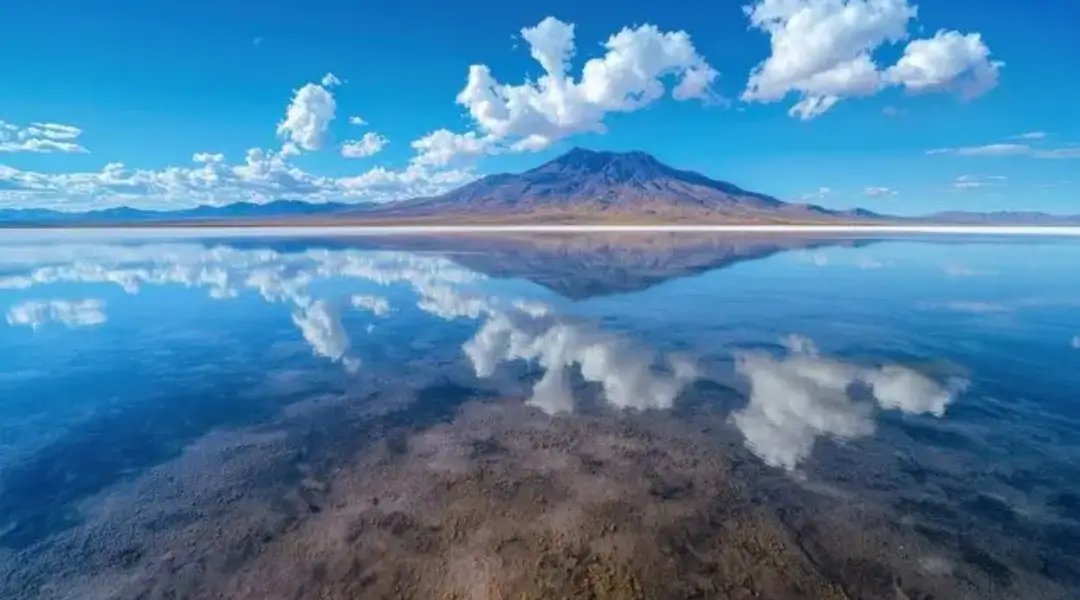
{"x": 581, "y": 186}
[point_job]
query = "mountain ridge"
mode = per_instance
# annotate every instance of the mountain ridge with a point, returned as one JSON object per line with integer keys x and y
{"x": 580, "y": 186}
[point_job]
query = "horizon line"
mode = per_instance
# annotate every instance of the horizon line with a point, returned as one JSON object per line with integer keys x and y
{"x": 355, "y": 230}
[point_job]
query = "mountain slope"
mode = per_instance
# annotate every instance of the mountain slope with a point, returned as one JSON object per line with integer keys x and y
{"x": 585, "y": 184}
{"x": 278, "y": 209}
{"x": 579, "y": 187}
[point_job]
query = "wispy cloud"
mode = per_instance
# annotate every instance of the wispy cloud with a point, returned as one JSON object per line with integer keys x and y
{"x": 967, "y": 306}
{"x": 40, "y": 138}
{"x": 820, "y": 194}
{"x": 960, "y": 270}
{"x": 877, "y": 192}
{"x": 986, "y": 150}
{"x": 967, "y": 182}
{"x": 1030, "y": 148}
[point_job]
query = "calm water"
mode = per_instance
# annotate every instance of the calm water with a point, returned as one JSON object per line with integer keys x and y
{"x": 866, "y": 418}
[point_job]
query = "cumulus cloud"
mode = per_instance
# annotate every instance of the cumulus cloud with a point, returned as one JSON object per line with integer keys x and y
{"x": 878, "y": 192}
{"x": 308, "y": 116}
{"x": 440, "y": 148}
{"x": 369, "y": 145}
{"x": 799, "y": 398}
{"x": 264, "y": 175}
{"x": 823, "y": 51}
{"x": 40, "y": 138}
{"x": 71, "y": 313}
{"x": 530, "y": 116}
{"x": 359, "y": 122}
{"x": 948, "y": 62}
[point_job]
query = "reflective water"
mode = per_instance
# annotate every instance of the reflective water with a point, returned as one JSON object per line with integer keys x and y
{"x": 793, "y": 417}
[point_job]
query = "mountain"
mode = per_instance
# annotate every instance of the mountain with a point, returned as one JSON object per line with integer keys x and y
{"x": 276, "y": 210}
{"x": 585, "y": 185}
{"x": 581, "y": 186}
{"x": 1003, "y": 218}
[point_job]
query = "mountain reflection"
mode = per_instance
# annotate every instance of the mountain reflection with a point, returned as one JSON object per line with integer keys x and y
{"x": 578, "y": 266}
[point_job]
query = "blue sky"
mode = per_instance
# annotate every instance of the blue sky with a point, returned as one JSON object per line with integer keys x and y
{"x": 896, "y": 105}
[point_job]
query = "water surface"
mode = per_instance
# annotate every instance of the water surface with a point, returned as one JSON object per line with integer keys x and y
{"x": 641, "y": 415}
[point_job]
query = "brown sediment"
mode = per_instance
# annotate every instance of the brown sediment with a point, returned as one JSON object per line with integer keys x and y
{"x": 499, "y": 501}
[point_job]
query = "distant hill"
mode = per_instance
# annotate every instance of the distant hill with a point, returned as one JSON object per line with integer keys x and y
{"x": 278, "y": 209}
{"x": 1003, "y": 218}
{"x": 581, "y": 186}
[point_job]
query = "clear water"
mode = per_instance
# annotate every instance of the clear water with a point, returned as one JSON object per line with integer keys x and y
{"x": 911, "y": 404}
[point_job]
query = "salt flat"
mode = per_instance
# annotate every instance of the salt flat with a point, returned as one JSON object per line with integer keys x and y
{"x": 270, "y": 231}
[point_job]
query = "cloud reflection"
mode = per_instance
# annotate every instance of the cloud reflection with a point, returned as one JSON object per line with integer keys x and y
{"x": 796, "y": 399}
{"x": 71, "y": 313}
{"x": 629, "y": 374}
{"x": 225, "y": 272}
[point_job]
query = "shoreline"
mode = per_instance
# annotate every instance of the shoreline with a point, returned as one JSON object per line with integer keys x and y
{"x": 204, "y": 231}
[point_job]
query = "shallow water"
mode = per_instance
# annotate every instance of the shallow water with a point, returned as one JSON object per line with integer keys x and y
{"x": 865, "y": 417}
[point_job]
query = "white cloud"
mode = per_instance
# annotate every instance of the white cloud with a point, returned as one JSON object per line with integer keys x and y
{"x": 978, "y": 308}
{"x": 948, "y": 62}
{"x": 441, "y": 147}
{"x": 71, "y": 313}
{"x": 1032, "y": 135}
{"x": 206, "y": 157}
{"x": 959, "y": 270}
{"x": 1072, "y": 151}
{"x": 329, "y": 80}
{"x": 308, "y": 116}
{"x": 877, "y": 192}
{"x": 968, "y": 182}
{"x": 371, "y": 144}
{"x": 799, "y": 398}
{"x": 359, "y": 122}
{"x": 40, "y": 138}
{"x": 263, "y": 176}
{"x": 532, "y": 115}
{"x": 986, "y": 150}
{"x": 823, "y": 50}
{"x": 1012, "y": 149}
